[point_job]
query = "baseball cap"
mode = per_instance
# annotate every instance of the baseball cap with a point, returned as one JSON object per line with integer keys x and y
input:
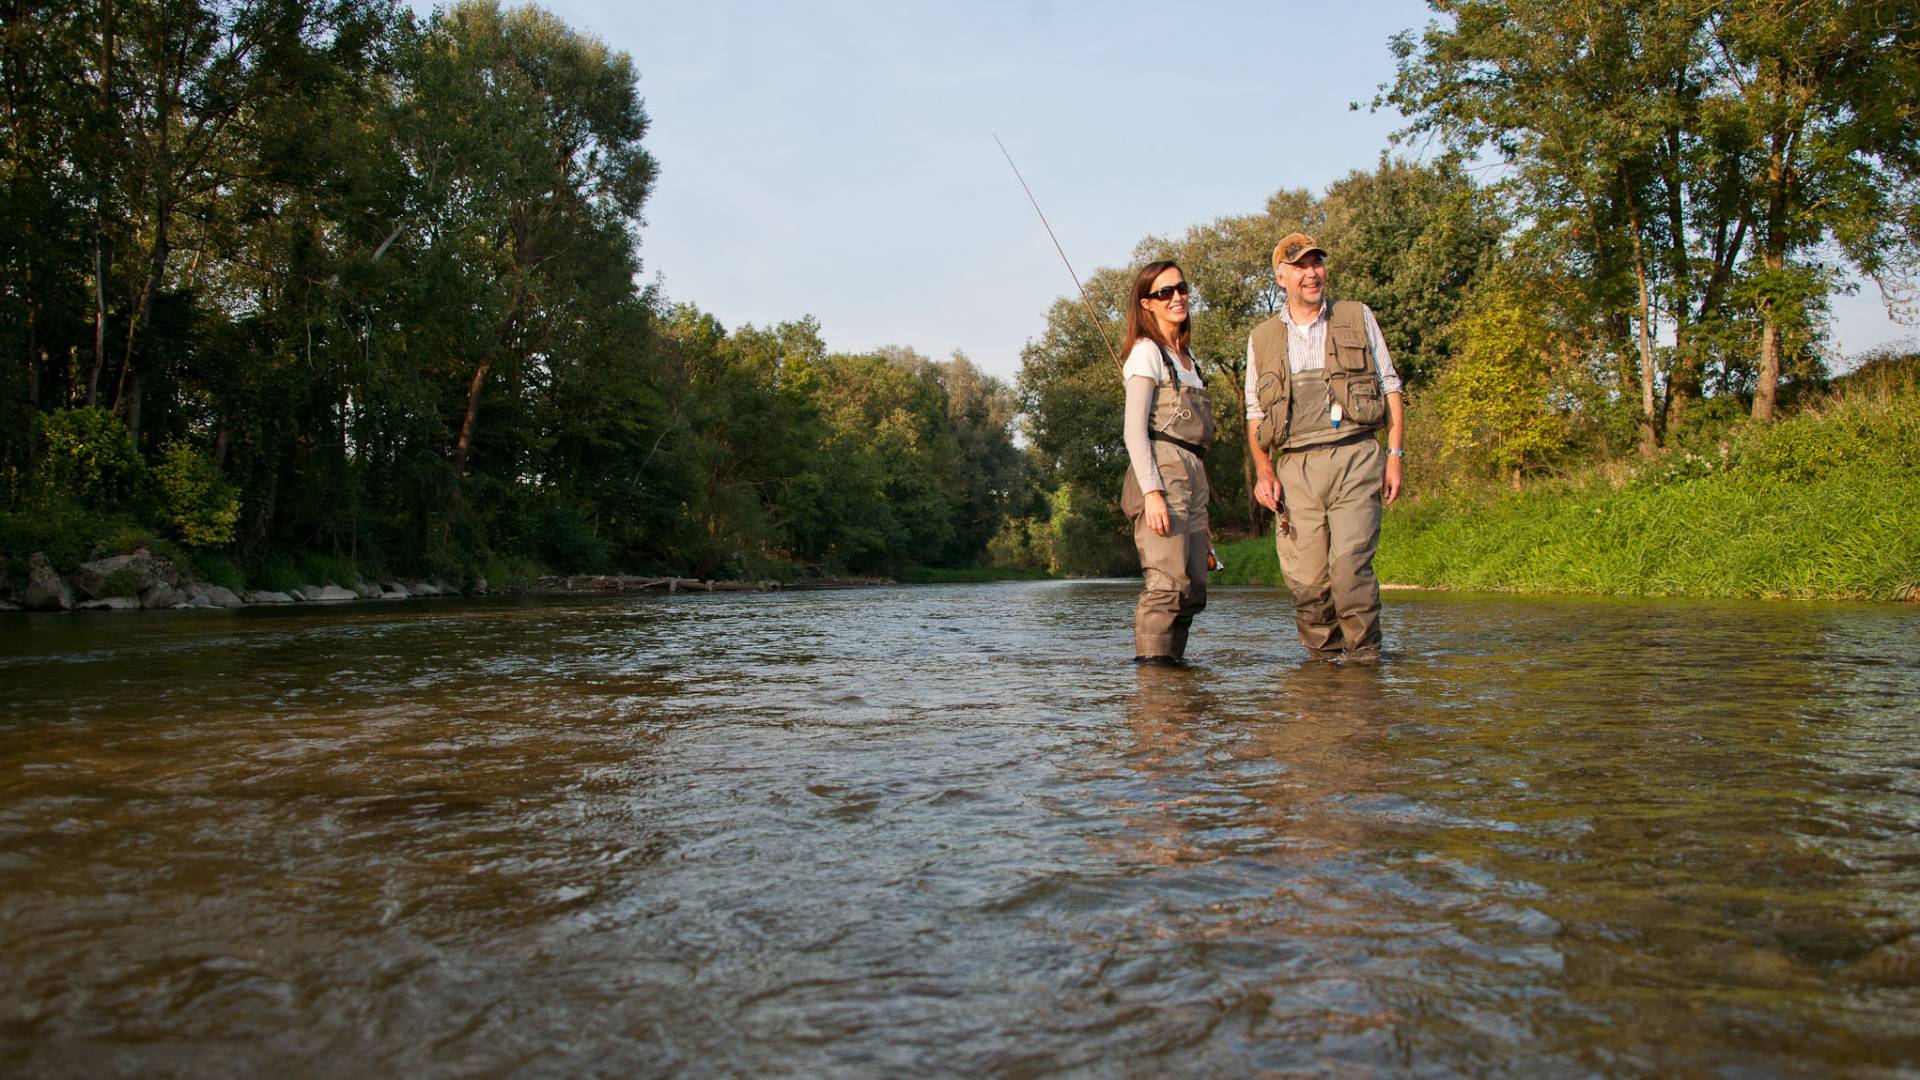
{"x": 1294, "y": 247}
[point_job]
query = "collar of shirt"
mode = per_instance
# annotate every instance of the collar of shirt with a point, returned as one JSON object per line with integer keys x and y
{"x": 1286, "y": 312}
{"x": 1310, "y": 339}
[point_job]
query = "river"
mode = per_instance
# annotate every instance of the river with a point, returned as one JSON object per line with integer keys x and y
{"x": 948, "y": 830}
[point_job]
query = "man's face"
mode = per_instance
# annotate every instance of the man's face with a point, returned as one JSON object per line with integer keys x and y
{"x": 1304, "y": 280}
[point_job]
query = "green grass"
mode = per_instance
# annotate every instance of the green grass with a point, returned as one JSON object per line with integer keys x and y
{"x": 1820, "y": 506}
{"x": 1247, "y": 562}
{"x": 1850, "y": 535}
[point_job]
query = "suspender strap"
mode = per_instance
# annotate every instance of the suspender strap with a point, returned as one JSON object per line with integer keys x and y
{"x": 1172, "y": 375}
{"x": 1192, "y": 448}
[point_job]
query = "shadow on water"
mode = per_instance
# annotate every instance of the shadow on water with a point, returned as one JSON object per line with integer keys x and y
{"x": 948, "y": 830}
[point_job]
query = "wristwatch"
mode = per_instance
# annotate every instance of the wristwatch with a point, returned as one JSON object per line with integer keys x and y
{"x": 1396, "y": 451}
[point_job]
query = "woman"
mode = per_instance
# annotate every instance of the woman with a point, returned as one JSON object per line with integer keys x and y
{"x": 1169, "y": 425}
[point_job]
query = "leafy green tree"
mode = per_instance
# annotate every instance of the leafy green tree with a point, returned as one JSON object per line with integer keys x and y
{"x": 1410, "y": 241}
{"x": 1824, "y": 93}
{"x": 1582, "y": 99}
{"x": 192, "y": 87}
{"x": 995, "y": 478}
{"x": 892, "y": 447}
{"x": 1072, "y": 397}
{"x": 1681, "y": 156}
{"x": 544, "y": 128}
{"x": 1500, "y": 395}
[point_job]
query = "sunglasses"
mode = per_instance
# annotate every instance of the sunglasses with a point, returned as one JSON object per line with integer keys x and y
{"x": 1166, "y": 294}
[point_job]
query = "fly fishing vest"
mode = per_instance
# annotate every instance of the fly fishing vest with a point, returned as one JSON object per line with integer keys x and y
{"x": 1180, "y": 428}
{"x": 1299, "y": 404}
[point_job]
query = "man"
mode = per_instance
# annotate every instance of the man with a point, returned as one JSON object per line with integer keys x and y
{"x": 1320, "y": 387}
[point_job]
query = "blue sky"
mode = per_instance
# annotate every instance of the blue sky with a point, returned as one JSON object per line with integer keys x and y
{"x": 837, "y": 159}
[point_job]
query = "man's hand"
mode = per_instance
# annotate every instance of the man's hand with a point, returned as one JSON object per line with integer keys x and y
{"x": 1266, "y": 492}
{"x": 1395, "y": 480}
{"x": 1156, "y": 513}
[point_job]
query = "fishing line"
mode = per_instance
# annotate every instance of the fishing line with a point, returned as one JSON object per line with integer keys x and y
{"x": 1097, "y": 324}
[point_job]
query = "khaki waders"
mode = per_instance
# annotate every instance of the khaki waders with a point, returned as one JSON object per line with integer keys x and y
{"x": 1333, "y": 504}
{"x": 1173, "y": 567}
{"x": 1331, "y": 476}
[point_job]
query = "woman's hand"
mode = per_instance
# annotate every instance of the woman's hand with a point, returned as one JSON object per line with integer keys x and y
{"x": 1156, "y": 513}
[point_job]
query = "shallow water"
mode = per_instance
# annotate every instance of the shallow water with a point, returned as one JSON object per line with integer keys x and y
{"x": 947, "y": 830}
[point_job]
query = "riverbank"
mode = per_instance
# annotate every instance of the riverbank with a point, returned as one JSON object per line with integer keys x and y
{"x": 146, "y": 580}
{"x": 1823, "y": 505}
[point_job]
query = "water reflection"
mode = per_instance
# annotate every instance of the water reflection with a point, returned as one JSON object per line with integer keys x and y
{"x": 948, "y": 830}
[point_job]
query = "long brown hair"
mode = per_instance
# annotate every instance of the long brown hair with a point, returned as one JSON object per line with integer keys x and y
{"x": 1140, "y": 324}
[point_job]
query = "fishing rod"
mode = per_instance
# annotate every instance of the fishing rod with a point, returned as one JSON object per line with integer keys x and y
{"x": 1097, "y": 324}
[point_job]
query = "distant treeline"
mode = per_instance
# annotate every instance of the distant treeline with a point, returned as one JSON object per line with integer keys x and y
{"x": 1663, "y": 199}
{"x": 290, "y": 278}
{"x": 317, "y": 277}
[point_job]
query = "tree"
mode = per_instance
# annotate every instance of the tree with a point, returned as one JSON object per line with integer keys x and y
{"x": 1681, "y": 156}
{"x": 1071, "y": 394}
{"x": 1587, "y": 102}
{"x": 191, "y": 86}
{"x": 996, "y": 478}
{"x": 1500, "y": 394}
{"x": 529, "y": 137}
{"x": 1825, "y": 92}
{"x": 1410, "y": 241}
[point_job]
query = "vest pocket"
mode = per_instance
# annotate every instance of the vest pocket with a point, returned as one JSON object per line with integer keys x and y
{"x": 1350, "y": 352}
{"x": 1361, "y": 399}
{"x": 1271, "y": 391}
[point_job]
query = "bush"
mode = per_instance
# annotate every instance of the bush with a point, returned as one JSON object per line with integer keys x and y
{"x": 510, "y": 573}
{"x": 277, "y": 573}
{"x": 89, "y": 460}
{"x": 568, "y": 540}
{"x": 200, "y": 507}
{"x": 220, "y": 570}
{"x": 315, "y": 569}
{"x": 68, "y": 533}
{"x": 121, "y": 583}
{"x": 1021, "y": 544}
{"x": 1088, "y": 537}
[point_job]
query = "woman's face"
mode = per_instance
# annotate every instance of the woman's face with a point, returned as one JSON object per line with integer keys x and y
{"x": 1174, "y": 308}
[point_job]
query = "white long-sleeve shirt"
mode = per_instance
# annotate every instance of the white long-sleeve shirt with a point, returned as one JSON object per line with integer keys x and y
{"x": 1307, "y": 351}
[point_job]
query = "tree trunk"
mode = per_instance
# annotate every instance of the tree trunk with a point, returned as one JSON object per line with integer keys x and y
{"x": 1774, "y": 255}
{"x": 132, "y": 401}
{"x": 99, "y": 307}
{"x": 1246, "y": 460}
{"x": 464, "y": 445}
{"x": 1768, "y": 382}
{"x": 1649, "y": 368}
{"x": 156, "y": 276}
{"x": 100, "y": 206}
{"x": 1684, "y": 375}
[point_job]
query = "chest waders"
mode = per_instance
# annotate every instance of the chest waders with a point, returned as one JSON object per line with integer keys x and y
{"x": 1321, "y": 423}
{"x": 1173, "y": 567}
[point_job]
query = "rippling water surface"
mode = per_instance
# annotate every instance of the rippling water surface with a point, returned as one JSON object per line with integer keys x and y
{"x": 947, "y": 830}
